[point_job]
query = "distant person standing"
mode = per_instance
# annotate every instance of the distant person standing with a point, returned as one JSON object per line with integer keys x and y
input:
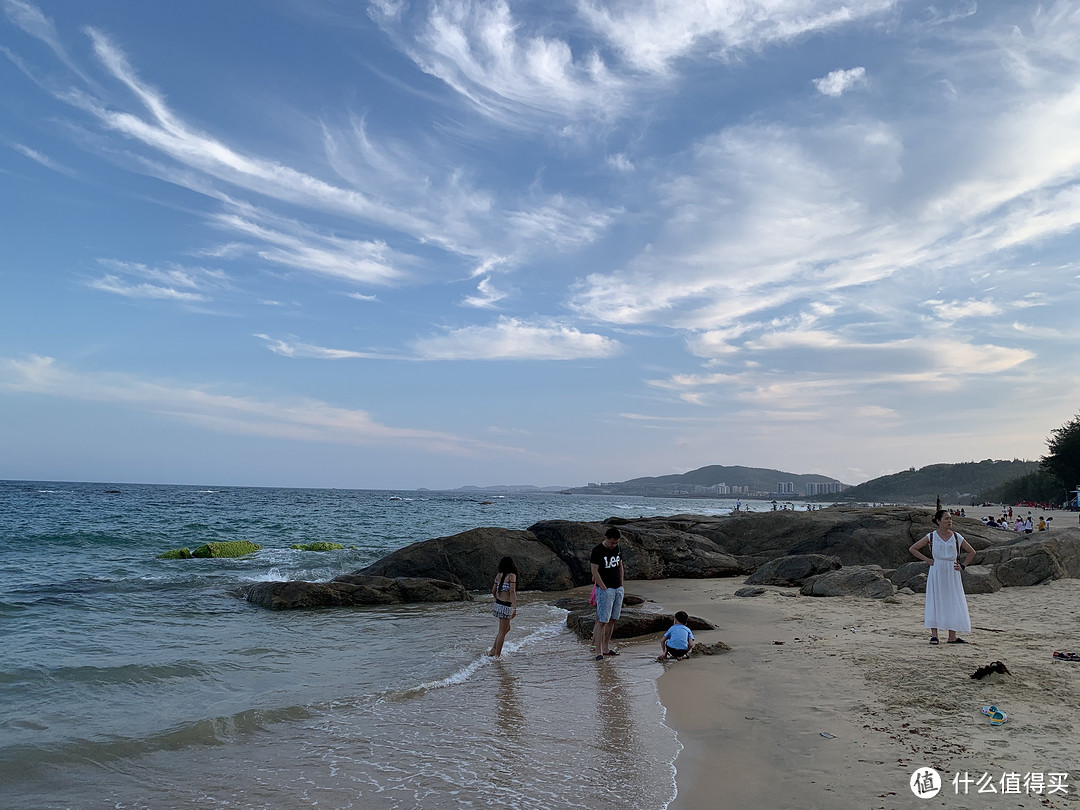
{"x": 946, "y": 605}
{"x": 607, "y": 575}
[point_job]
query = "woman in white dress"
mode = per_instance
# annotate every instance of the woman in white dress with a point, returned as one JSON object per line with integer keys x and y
{"x": 946, "y": 605}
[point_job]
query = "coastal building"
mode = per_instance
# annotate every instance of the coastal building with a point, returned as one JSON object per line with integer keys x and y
{"x": 785, "y": 488}
{"x": 824, "y": 487}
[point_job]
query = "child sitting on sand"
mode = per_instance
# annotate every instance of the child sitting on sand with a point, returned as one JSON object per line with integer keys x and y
{"x": 678, "y": 639}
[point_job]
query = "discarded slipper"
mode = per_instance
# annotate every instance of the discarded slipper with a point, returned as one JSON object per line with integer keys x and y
{"x": 989, "y": 710}
{"x": 599, "y": 658}
{"x": 994, "y": 666}
{"x": 612, "y": 652}
{"x": 998, "y": 717}
{"x": 1066, "y": 656}
{"x": 933, "y": 639}
{"x": 956, "y": 640}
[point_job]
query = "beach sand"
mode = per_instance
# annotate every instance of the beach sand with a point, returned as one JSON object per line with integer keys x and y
{"x": 752, "y": 720}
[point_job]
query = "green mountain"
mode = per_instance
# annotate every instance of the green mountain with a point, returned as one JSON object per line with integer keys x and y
{"x": 955, "y": 483}
{"x": 741, "y": 481}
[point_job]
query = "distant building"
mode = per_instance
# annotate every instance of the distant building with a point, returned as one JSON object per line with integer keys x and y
{"x": 824, "y": 487}
{"x": 785, "y": 488}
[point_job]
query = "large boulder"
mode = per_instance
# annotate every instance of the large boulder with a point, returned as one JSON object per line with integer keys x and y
{"x": 911, "y": 575}
{"x": 793, "y": 569}
{"x": 979, "y": 579}
{"x": 631, "y": 623}
{"x": 471, "y": 559}
{"x": 857, "y": 536}
{"x": 1034, "y": 558}
{"x": 861, "y": 580}
{"x": 651, "y": 548}
{"x": 353, "y": 591}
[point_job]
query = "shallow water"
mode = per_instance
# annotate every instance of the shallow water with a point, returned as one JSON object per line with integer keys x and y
{"x": 131, "y": 682}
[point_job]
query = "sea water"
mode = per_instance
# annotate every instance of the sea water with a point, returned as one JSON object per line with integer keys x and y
{"x": 127, "y": 681}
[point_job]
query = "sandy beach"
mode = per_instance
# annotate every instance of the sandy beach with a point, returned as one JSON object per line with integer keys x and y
{"x": 754, "y": 721}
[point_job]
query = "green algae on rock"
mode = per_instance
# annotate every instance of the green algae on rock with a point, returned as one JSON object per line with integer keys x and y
{"x": 317, "y": 546}
{"x": 176, "y": 554}
{"x": 229, "y": 548}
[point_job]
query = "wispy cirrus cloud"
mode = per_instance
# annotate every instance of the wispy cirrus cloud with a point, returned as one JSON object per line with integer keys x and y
{"x": 650, "y": 35}
{"x": 301, "y": 350}
{"x": 612, "y": 54}
{"x": 299, "y": 419}
{"x": 516, "y": 339}
{"x": 169, "y": 283}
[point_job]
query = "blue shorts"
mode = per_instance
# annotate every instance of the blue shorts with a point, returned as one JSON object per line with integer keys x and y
{"x": 608, "y": 604}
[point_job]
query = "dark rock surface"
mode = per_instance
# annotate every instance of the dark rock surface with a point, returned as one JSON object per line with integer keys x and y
{"x": 777, "y": 548}
{"x": 793, "y": 569}
{"x": 749, "y": 591}
{"x": 471, "y": 559}
{"x": 854, "y": 580}
{"x": 632, "y": 623}
{"x": 352, "y": 590}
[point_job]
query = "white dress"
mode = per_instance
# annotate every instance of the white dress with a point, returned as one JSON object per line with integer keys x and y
{"x": 946, "y": 605}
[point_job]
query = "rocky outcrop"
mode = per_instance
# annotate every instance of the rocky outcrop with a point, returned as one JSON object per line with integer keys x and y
{"x": 911, "y": 575}
{"x": 653, "y": 548}
{"x": 857, "y": 536}
{"x": 855, "y": 580}
{"x": 631, "y": 623}
{"x": 783, "y": 548}
{"x": 352, "y": 591}
{"x": 793, "y": 569}
{"x": 471, "y": 559}
{"x": 1035, "y": 558}
{"x": 228, "y": 548}
{"x": 319, "y": 545}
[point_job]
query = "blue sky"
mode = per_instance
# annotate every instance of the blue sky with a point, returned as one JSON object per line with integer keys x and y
{"x": 405, "y": 244}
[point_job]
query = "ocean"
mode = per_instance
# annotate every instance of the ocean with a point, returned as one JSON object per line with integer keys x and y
{"x": 132, "y": 682}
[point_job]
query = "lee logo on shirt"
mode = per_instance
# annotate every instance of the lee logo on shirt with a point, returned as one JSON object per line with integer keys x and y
{"x": 612, "y": 562}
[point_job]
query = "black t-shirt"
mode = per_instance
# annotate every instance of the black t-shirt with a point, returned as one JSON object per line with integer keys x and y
{"x": 607, "y": 561}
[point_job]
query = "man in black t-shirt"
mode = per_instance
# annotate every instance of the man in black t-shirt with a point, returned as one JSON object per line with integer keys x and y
{"x": 607, "y": 574}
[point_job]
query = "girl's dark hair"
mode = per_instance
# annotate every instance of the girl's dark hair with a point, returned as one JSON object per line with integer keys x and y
{"x": 506, "y": 566}
{"x": 939, "y": 514}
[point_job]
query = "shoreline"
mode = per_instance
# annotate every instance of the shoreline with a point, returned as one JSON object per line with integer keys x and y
{"x": 751, "y": 720}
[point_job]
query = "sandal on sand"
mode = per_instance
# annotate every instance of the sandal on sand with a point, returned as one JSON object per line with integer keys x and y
{"x": 989, "y": 710}
{"x": 1066, "y": 656}
{"x": 956, "y": 640}
{"x": 612, "y": 652}
{"x": 998, "y": 717}
{"x": 933, "y": 639}
{"x": 599, "y": 658}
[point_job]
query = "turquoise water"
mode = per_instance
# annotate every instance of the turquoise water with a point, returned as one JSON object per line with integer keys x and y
{"x": 133, "y": 682}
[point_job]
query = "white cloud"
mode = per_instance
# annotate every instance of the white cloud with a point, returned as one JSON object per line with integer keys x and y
{"x": 169, "y": 283}
{"x": 38, "y": 157}
{"x": 487, "y": 295}
{"x": 514, "y": 339}
{"x": 298, "y": 419}
{"x": 652, "y": 34}
{"x": 515, "y": 72}
{"x": 293, "y": 244}
{"x": 838, "y": 82}
{"x": 309, "y": 351}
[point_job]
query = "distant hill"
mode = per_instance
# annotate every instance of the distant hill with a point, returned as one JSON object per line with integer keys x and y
{"x": 740, "y": 481}
{"x": 955, "y": 483}
{"x": 508, "y": 488}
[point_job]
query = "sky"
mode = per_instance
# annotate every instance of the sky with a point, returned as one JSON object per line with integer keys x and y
{"x": 395, "y": 244}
